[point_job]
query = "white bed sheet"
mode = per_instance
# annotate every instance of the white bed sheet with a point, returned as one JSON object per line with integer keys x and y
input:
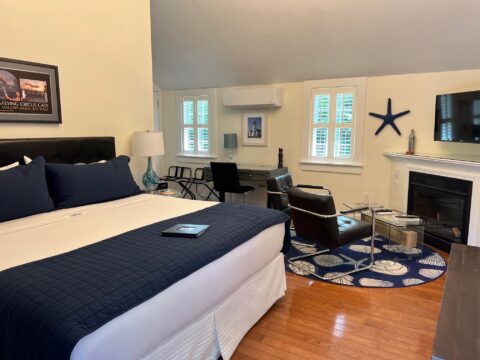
{"x": 140, "y": 330}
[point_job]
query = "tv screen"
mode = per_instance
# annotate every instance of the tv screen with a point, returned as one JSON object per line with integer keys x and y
{"x": 457, "y": 117}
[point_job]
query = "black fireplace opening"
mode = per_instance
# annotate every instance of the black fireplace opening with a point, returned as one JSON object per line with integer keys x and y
{"x": 444, "y": 204}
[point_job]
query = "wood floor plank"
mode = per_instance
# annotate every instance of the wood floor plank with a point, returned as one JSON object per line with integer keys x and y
{"x": 318, "y": 320}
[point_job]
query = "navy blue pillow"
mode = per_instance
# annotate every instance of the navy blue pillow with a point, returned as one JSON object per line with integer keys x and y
{"x": 75, "y": 185}
{"x": 24, "y": 191}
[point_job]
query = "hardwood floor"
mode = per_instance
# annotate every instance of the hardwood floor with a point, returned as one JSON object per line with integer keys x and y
{"x": 318, "y": 320}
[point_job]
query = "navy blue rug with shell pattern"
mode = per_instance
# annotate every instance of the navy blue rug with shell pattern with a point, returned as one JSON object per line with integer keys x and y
{"x": 387, "y": 271}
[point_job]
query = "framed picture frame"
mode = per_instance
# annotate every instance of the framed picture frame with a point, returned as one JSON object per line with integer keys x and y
{"x": 254, "y": 129}
{"x": 29, "y": 93}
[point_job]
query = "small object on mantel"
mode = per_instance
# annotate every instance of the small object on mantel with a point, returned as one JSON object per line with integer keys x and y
{"x": 280, "y": 158}
{"x": 411, "y": 143}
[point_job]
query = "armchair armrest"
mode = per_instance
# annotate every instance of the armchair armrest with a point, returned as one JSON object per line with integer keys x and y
{"x": 323, "y": 216}
{"x": 310, "y": 186}
{"x": 317, "y": 187}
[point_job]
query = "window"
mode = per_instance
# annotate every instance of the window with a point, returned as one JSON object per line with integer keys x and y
{"x": 334, "y": 122}
{"x": 196, "y": 116}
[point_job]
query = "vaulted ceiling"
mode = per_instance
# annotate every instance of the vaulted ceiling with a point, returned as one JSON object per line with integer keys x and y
{"x": 213, "y": 43}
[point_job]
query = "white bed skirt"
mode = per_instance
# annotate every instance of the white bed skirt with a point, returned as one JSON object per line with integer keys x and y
{"x": 220, "y": 331}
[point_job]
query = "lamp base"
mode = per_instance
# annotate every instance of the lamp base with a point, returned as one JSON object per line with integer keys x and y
{"x": 150, "y": 178}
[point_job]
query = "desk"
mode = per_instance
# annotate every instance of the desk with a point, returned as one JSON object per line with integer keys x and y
{"x": 254, "y": 175}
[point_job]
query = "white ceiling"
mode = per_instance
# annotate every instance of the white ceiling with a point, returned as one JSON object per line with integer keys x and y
{"x": 213, "y": 43}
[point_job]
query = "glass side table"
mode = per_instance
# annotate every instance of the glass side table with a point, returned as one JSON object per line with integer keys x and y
{"x": 404, "y": 233}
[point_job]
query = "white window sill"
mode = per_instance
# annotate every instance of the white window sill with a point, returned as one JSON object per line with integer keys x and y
{"x": 333, "y": 167}
{"x": 195, "y": 159}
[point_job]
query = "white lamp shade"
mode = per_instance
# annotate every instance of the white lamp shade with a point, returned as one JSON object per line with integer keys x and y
{"x": 148, "y": 143}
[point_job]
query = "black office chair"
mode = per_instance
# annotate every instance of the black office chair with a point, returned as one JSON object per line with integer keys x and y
{"x": 225, "y": 179}
{"x": 317, "y": 220}
{"x": 277, "y": 191}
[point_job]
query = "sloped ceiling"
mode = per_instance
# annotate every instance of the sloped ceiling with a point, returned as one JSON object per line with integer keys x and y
{"x": 213, "y": 43}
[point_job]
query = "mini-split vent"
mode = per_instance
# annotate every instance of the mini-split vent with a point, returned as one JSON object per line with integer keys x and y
{"x": 262, "y": 97}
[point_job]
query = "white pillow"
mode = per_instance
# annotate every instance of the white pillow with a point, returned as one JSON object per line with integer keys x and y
{"x": 6, "y": 167}
{"x": 27, "y": 160}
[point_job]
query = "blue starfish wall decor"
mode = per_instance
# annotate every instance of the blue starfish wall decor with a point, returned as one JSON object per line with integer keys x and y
{"x": 389, "y": 118}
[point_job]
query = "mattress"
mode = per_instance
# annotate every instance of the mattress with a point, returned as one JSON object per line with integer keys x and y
{"x": 138, "y": 331}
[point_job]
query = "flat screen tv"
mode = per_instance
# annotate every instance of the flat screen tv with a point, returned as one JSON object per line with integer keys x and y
{"x": 457, "y": 117}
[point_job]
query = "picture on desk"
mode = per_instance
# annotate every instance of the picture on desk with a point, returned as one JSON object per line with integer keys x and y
{"x": 254, "y": 129}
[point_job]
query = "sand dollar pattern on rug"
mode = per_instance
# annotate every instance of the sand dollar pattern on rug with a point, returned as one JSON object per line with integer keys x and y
{"x": 402, "y": 249}
{"x": 435, "y": 260}
{"x": 366, "y": 249}
{"x": 430, "y": 273}
{"x": 375, "y": 282}
{"x": 304, "y": 248}
{"x": 344, "y": 280}
{"x": 328, "y": 260}
{"x": 304, "y": 264}
{"x": 412, "y": 281}
{"x": 389, "y": 267}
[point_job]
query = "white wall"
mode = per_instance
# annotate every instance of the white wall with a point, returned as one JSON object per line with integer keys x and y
{"x": 103, "y": 52}
{"x": 415, "y": 92}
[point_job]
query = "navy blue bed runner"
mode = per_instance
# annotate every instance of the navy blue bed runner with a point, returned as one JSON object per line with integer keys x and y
{"x": 47, "y": 306}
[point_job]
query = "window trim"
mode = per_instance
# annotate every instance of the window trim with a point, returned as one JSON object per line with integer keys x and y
{"x": 212, "y": 123}
{"x": 353, "y": 165}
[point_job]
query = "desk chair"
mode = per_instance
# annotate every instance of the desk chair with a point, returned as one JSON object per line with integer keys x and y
{"x": 225, "y": 179}
{"x": 317, "y": 220}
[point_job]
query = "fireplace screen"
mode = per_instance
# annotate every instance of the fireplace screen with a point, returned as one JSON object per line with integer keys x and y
{"x": 444, "y": 204}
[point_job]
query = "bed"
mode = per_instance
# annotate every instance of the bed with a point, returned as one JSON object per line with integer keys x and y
{"x": 202, "y": 316}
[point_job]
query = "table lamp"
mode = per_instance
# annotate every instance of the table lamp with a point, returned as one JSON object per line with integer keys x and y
{"x": 230, "y": 143}
{"x": 148, "y": 143}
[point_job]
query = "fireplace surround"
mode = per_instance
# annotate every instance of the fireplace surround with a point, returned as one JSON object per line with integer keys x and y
{"x": 454, "y": 167}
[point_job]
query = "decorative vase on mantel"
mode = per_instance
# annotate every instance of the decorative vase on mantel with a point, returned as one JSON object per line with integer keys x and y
{"x": 411, "y": 143}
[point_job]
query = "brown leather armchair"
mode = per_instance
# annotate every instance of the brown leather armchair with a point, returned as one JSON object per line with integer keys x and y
{"x": 317, "y": 220}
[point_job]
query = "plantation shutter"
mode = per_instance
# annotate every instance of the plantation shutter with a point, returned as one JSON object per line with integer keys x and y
{"x": 332, "y": 123}
{"x": 321, "y": 120}
{"x": 195, "y": 124}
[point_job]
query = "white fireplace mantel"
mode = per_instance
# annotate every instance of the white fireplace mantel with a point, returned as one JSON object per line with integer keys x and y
{"x": 456, "y": 166}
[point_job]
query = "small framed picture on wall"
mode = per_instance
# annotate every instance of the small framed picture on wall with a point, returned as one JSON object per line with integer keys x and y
{"x": 254, "y": 129}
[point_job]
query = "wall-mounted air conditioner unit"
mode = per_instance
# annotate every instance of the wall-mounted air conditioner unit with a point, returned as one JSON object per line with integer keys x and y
{"x": 261, "y": 97}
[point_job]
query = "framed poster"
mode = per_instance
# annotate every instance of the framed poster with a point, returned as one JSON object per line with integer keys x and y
{"x": 254, "y": 129}
{"x": 29, "y": 93}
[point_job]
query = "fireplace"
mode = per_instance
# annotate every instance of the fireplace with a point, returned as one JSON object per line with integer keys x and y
{"x": 444, "y": 204}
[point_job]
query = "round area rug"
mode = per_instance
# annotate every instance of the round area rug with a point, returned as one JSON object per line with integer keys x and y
{"x": 385, "y": 272}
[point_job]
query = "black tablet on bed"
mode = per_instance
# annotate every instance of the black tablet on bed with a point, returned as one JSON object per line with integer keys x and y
{"x": 185, "y": 230}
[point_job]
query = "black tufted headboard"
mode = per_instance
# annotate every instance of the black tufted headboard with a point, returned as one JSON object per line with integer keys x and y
{"x": 58, "y": 150}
